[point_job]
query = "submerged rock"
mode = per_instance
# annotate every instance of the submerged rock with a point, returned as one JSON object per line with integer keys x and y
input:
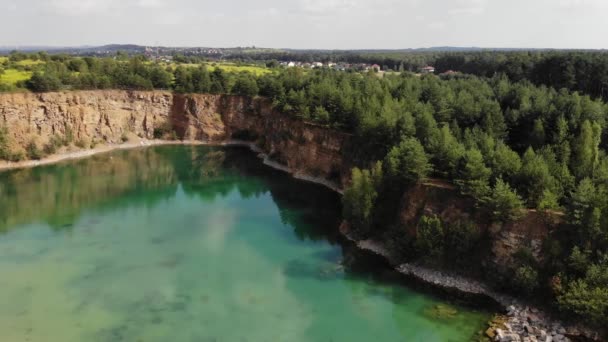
{"x": 441, "y": 311}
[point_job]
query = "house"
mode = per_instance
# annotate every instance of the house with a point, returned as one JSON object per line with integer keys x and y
{"x": 291, "y": 64}
{"x": 427, "y": 70}
{"x": 376, "y": 67}
{"x": 317, "y": 65}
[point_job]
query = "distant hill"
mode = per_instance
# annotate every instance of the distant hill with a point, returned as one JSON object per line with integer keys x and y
{"x": 134, "y": 48}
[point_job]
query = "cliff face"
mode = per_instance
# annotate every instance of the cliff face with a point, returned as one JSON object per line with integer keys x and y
{"x": 304, "y": 148}
{"x": 109, "y": 116}
{"x": 505, "y": 240}
{"x": 101, "y": 116}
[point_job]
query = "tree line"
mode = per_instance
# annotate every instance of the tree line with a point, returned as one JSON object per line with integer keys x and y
{"x": 135, "y": 74}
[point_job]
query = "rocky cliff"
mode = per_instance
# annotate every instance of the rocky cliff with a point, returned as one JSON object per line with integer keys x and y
{"x": 100, "y": 116}
{"x": 504, "y": 240}
{"x": 109, "y": 117}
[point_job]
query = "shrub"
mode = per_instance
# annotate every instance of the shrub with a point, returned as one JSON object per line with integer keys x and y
{"x": 4, "y": 144}
{"x": 430, "y": 236}
{"x": 16, "y": 156}
{"x": 41, "y": 82}
{"x": 69, "y": 136}
{"x": 33, "y": 151}
{"x": 461, "y": 238}
{"x": 81, "y": 143}
{"x": 526, "y": 278}
{"x": 49, "y": 148}
{"x": 358, "y": 200}
{"x": 53, "y": 144}
{"x": 162, "y": 130}
{"x": 587, "y": 301}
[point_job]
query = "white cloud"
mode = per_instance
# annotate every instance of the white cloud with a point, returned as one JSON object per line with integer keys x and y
{"x": 468, "y": 7}
{"x": 466, "y": 11}
{"x": 583, "y": 4}
{"x": 150, "y": 3}
{"x": 326, "y": 7}
{"x": 437, "y": 25}
{"x": 84, "y": 7}
{"x": 79, "y": 7}
{"x": 267, "y": 12}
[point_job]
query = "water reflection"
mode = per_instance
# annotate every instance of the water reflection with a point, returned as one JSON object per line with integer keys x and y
{"x": 58, "y": 194}
{"x": 182, "y": 243}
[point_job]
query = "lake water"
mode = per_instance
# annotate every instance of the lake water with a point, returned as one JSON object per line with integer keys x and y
{"x": 192, "y": 243}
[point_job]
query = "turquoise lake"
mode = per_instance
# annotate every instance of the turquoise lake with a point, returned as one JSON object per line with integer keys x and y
{"x": 193, "y": 243}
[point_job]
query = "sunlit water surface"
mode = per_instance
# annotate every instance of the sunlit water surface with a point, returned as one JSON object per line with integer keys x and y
{"x": 179, "y": 243}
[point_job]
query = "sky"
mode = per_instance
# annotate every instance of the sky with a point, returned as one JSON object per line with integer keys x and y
{"x": 318, "y": 24}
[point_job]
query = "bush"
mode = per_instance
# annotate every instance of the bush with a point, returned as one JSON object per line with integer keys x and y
{"x": 359, "y": 198}
{"x": 430, "y": 236}
{"x": 53, "y": 144}
{"x": 33, "y": 151}
{"x": 4, "y": 144}
{"x": 461, "y": 239}
{"x": 526, "y": 278}
{"x": 246, "y": 85}
{"x": 587, "y": 301}
{"x": 49, "y": 148}
{"x": 161, "y": 131}
{"x": 69, "y": 135}
{"x": 41, "y": 82}
{"x": 81, "y": 143}
{"x": 16, "y": 156}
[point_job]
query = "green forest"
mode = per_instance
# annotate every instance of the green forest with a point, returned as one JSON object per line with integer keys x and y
{"x": 512, "y": 131}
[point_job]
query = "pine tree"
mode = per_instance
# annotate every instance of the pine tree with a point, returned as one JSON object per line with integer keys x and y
{"x": 408, "y": 162}
{"x": 504, "y": 203}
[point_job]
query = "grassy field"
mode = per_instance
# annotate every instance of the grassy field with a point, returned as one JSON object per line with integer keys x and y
{"x": 25, "y": 62}
{"x": 256, "y": 70}
{"x": 28, "y": 62}
{"x": 12, "y": 76}
{"x": 230, "y": 67}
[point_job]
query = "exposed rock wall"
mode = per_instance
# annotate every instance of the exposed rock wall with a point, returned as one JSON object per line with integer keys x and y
{"x": 109, "y": 116}
{"x": 306, "y": 149}
{"x": 101, "y": 116}
{"x": 505, "y": 240}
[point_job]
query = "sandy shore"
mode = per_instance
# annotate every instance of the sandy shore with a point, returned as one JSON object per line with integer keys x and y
{"x": 102, "y": 148}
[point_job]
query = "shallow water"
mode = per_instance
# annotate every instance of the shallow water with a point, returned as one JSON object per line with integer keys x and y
{"x": 178, "y": 243}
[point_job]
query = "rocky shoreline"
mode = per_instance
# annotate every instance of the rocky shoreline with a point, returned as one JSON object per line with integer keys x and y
{"x": 520, "y": 323}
